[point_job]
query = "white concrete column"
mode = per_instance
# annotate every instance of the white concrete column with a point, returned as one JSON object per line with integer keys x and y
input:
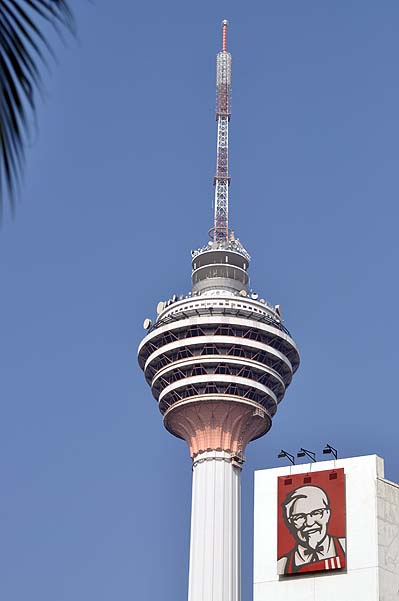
{"x": 215, "y": 547}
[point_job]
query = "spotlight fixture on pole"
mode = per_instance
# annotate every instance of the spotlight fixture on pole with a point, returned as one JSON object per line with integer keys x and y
{"x": 302, "y": 452}
{"x": 288, "y": 455}
{"x": 328, "y": 449}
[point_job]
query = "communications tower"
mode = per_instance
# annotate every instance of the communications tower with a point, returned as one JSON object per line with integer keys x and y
{"x": 218, "y": 361}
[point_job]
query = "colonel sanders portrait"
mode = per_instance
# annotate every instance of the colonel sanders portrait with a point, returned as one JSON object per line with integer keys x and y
{"x": 307, "y": 514}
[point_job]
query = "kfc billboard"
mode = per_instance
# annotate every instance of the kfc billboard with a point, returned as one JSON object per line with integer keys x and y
{"x": 311, "y": 533}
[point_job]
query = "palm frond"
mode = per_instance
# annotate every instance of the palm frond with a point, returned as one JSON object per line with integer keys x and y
{"x": 23, "y": 49}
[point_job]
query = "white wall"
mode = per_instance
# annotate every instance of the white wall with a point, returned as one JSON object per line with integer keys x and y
{"x": 372, "y": 530}
{"x": 388, "y": 539}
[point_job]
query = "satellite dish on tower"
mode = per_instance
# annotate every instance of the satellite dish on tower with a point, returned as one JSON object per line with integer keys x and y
{"x": 147, "y": 323}
{"x": 160, "y": 307}
{"x": 243, "y": 293}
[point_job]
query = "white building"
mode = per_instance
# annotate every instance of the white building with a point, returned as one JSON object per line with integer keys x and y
{"x": 372, "y": 537}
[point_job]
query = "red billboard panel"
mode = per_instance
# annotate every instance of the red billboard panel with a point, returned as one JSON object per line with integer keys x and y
{"x": 311, "y": 533}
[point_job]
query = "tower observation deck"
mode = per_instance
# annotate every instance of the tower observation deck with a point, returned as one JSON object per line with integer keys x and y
{"x": 218, "y": 361}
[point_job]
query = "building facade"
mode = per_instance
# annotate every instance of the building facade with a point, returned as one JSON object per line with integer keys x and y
{"x": 326, "y": 531}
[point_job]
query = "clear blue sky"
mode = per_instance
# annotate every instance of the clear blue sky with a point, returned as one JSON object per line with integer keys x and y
{"x": 95, "y": 495}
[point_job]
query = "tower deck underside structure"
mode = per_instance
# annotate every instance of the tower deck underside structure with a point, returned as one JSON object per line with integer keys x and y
{"x": 221, "y": 358}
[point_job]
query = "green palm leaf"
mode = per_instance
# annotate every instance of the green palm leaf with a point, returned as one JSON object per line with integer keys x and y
{"x": 23, "y": 48}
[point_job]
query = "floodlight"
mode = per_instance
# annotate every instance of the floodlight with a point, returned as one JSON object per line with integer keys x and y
{"x": 302, "y": 452}
{"x": 329, "y": 450}
{"x": 283, "y": 454}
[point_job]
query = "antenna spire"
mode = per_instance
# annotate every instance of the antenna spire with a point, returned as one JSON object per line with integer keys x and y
{"x": 220, "y": 231}
{"x": 225, "y": 24}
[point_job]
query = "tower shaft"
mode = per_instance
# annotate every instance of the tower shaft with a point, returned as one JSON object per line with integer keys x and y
{"x": 215, "y": 557}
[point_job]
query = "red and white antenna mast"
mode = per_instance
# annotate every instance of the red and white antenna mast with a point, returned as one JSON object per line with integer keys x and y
{"x": 220, "y": 230}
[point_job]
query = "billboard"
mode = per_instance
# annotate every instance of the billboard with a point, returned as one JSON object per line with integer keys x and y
{"x": 311, "y": 525}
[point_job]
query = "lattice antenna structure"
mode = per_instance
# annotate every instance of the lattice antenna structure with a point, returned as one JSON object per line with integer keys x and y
{"x": 220, "y": 230}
